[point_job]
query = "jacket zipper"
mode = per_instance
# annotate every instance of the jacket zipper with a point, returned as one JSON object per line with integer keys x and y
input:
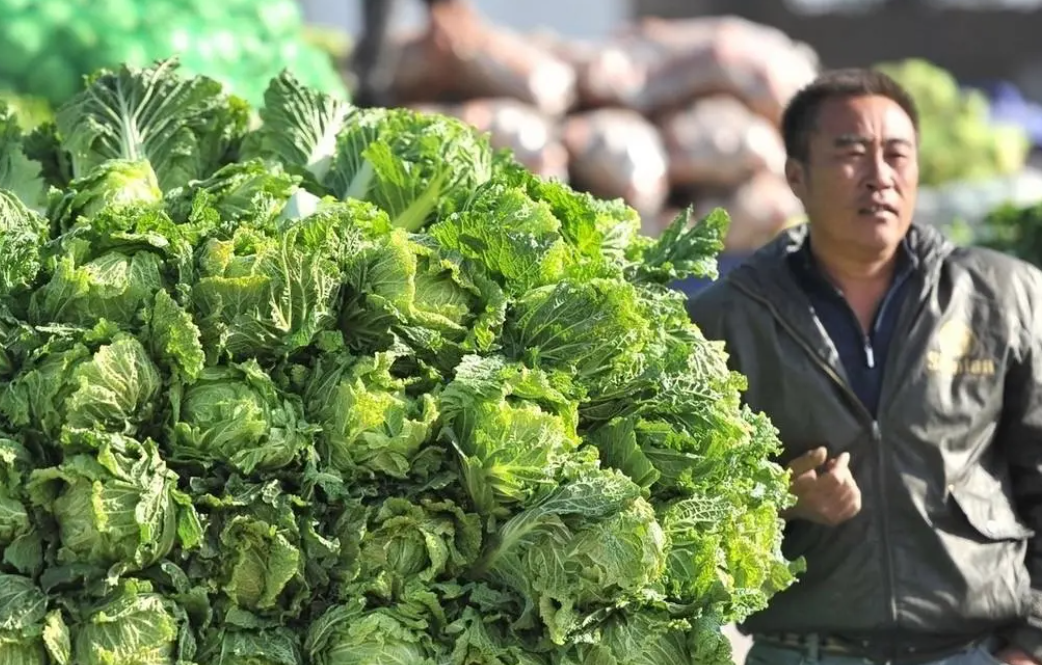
{"x": 875, "y": 430}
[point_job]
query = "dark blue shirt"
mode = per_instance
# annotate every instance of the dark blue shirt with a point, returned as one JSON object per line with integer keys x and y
{"x": 725, "y": 263}
{"x": 863, "y": 355}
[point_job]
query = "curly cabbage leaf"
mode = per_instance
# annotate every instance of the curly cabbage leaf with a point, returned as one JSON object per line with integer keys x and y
{"x": 594, "y": 328}
{"x": 117, "y": 508}
{"x": 248, "y": 191}
{"x": 590, "y": 543}
{"x": 116, "y": 183}
{"x": 368, "y": 421}
{"x": 29, "y": 634}
{"x": 73, "y": 383}
{"x": 648, "y": 637}
{"x": 236, "y": 415}
{"x": 20, "y": 539}
{"x": 515, "y": 238}
{"x": 253, "y": 550}
{"x": 111, "y": 268}
{"x": 174, "y": 339}
{"x": 415, "y": 166}
{"x": 594, "y": 227}
{"x": 718, "y": 561}
{"x": 134, "y": 624}
{"x": 429, "y": 298}
{"x": 349, "y": 634}
{"x": 185, "y": 127}
{"x": 479, "y": 641}
{"x": 114, "y": 286}
{"x": 405, "y": 545}
{"x": 262, "y": 296}
{"x": 20, "y": 175}
{"x": 683, "y": 250}
{"x": 677, "y": 428}
{"x": 299, "y": 126}
{"x": 235, "y": 646}
{"x": 22, "y": 236}
{"x": 513, "y": 429}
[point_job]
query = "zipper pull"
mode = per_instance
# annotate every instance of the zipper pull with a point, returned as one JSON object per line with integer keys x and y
{"x": 870, "y": 355}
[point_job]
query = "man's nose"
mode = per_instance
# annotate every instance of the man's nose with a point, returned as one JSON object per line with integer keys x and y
{"x": 880, "y": 174}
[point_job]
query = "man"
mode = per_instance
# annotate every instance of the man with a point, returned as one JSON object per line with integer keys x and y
{"x": 905, "y": 377}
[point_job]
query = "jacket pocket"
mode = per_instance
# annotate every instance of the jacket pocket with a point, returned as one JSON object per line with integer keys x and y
{"x": 985, "y": 504}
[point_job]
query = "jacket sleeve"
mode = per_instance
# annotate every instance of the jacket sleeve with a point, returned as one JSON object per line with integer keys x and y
{"x": 712, "y": 310}
{"x": 1021, "y": 433}
{"x": 708, "y": 309}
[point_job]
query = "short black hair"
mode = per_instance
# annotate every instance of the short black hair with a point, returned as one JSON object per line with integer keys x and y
{"x": 801, "y": 114}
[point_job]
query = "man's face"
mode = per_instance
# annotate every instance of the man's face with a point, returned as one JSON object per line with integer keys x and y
{"x": 859, "y": 183}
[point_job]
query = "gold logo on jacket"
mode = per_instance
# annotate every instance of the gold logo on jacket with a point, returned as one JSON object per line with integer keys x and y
{"x": 954, "y": 352}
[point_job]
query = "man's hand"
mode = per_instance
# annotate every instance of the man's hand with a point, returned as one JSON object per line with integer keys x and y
{"x": 1014, "y": 656}
{"x": 825, "y": 489}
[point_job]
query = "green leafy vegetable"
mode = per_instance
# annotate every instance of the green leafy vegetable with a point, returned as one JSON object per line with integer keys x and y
{"x": 413, "y": 165}
{"x": 22, "y": 235}
{"x": 29, "y": 635}
{"x": 368, "y": 420}
{"x": 133, "y": 625}
{"x": 183, "y": 126}
{"x": 235, "y": 414}
{"x": 348, "y": 388}
{"x": 116, "y": 506}
{"x": 116, "y": 182}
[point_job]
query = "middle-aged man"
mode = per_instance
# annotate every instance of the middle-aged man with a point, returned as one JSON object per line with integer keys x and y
{"x": 905, "y": 377}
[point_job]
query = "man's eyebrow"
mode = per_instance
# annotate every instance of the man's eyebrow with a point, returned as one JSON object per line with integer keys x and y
{"x": 845, "y": 140}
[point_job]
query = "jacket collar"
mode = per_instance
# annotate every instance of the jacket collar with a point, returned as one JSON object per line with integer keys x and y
{"x": 768, "y": 277}
{"x": 768, "y": 272}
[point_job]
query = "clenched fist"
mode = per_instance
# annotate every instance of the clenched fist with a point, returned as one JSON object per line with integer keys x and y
{"x": 825, "y": 489}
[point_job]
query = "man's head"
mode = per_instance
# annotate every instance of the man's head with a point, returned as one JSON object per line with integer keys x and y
{"x": 852, "y": 143}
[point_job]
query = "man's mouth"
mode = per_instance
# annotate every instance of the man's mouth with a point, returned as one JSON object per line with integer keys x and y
{"x": 877, "y": 209}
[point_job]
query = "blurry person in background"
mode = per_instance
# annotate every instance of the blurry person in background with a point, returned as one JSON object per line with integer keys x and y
{"x": 374, "y": 59}
{"x": 905, "y": 377}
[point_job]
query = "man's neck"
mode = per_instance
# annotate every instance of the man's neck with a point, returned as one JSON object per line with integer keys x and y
{"x": 862, "y": 281}
{"x": 851, "y": 272}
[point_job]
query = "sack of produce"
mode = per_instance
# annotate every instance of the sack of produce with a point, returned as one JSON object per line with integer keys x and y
{"x": 515, "y": 126}
{"x": 349, "y": 388}
{"x": 503, "y": 63}
{"x": 676, "y": 35}
{"x": 615, "y": 73}
{"x": 759, "y": 208}
{"x": 419, "y": 70}
{"x": 717, "y": 142}
{"x": 755, "y": 63}
{"x": 659, "y": 65}
{"x": 572, "y": 51}
{"x": 618, "y": 153}
{"x": 470, "y": 58}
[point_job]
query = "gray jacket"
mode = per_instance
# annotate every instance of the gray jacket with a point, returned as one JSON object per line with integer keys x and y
{"x": 949, "y": 539}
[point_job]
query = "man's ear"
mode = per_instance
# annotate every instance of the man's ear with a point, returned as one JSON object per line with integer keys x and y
{"x": 796, "y": 175}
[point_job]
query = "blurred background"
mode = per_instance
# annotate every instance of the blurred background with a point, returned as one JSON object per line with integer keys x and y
{"x": 669, "y": 104}
{"x": 666, "y": 103}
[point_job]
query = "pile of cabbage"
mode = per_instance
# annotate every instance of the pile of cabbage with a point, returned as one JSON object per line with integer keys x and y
{"x": 351, "y": 388}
